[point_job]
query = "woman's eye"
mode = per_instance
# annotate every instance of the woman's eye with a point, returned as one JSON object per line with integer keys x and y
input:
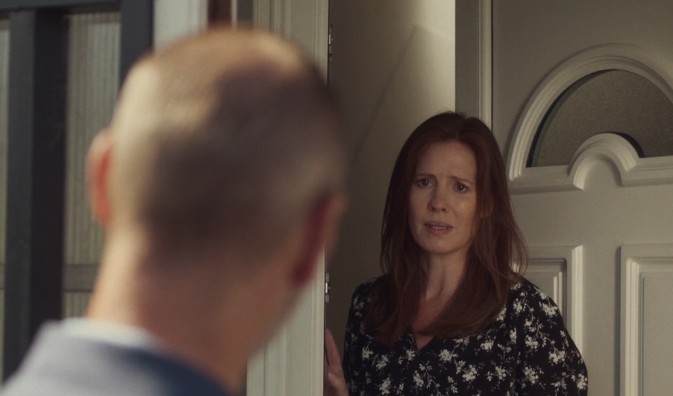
{"x": 423, "y": 182}
{"x": 460, "y": 187}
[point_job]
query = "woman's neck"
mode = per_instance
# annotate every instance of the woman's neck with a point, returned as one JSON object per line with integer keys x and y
{"x": 444, "y": 275}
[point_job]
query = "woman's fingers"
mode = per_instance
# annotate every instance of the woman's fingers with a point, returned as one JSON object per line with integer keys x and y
{"x": 334, "y": 376}
{"x": 332, "y": 355}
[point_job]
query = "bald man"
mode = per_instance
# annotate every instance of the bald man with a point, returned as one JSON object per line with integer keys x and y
{"x": 219, "y": 183}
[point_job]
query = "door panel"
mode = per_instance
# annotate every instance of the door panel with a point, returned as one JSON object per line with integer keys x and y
{"x": 609, "y": 202}
{"x": 602, "y": 218}
{"x": 647, "y": 354}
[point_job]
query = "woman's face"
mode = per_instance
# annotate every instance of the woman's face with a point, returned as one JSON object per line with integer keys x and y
{"x": 443, "y": 200}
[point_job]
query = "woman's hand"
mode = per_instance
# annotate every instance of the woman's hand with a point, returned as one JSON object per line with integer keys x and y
{"x": 335, "y": 382}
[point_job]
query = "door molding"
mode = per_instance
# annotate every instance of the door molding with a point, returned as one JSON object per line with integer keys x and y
{"x": 565, "y": 266}
{"x": 609, "y": 147}
{"x": 474, "y": 58}
{"x": 656, "y": 170}
{"x": 303, "y": 21}
{"x": 638, "y": 262}
{"x": 292, "y": 363}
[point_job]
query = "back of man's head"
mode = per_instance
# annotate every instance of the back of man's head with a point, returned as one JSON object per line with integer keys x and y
{"x": 224, "y": 139}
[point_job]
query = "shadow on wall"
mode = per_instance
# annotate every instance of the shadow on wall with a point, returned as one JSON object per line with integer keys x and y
{"x": 417, "y": 84}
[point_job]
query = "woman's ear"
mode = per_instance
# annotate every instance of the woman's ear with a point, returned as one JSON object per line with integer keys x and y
{"x": 98, "y": 170}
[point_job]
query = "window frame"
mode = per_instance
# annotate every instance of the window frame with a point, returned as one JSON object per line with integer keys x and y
{"x": 36, "y": 147}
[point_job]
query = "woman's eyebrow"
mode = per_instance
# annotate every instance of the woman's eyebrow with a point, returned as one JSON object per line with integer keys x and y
{"x": 462, "y": 179}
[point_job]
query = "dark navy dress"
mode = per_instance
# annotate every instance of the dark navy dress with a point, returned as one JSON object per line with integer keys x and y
{"x": 525, "y": 351}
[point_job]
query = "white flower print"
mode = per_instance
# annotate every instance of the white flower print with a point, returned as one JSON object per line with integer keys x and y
{"x": 384, "y": 388}
{"x": 487, "y": 345}
{"x": 548, "y": 309}
{"x": 510, "y": 356}
{"x": 531, "y": 342}
{"x": 557, "y": 356}
{"x": 501, "y": 314}
{"x": 382, "y": 362}
{"x": 446, "y": 356}
{"x": 418, "y": 380}
{"x": 531, "y": 374}
{"x": 470, "y": 374}
{"x": 500, "y": 372}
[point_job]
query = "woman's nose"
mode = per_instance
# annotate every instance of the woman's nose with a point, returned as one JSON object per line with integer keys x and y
{"x": 438, "y": 203}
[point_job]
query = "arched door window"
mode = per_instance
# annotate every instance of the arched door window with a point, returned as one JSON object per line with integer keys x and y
{"x": 610, "y": 101}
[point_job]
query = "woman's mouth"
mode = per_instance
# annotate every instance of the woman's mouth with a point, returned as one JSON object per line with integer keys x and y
{"x": 438, "y": 227}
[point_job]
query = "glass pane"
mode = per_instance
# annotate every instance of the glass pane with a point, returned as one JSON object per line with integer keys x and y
{"x": 4, "y": 80}
{"x": 614, "y": 101}
{"x": 93, "y": 80}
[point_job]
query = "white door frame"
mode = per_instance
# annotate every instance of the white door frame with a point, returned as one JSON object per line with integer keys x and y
{"x": 474, "y": 52}
{"x": 292, "y": 364}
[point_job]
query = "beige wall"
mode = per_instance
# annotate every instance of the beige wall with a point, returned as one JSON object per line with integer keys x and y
{"x": 393, "y": 66}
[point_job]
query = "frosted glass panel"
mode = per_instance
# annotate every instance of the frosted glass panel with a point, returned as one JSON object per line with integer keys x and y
{"x": 93, "y": 70}
{"x": 611, "y": 101}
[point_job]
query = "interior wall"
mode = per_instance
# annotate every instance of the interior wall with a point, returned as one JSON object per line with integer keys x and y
{"x": 393, "y": 66}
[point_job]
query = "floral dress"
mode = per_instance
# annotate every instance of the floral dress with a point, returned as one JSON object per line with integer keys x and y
{"x": 525, "y": 351}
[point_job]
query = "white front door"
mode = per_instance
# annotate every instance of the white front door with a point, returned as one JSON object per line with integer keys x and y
{"x": 582, "y": 105}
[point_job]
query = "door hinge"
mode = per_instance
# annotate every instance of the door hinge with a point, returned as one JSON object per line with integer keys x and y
{"x": 327, "y": 287}
{"x": 330, "y": 51}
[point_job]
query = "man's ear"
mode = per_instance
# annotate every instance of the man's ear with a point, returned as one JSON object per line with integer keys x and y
{"x": 320, "y": 235}
{"x": 98, "y": 172}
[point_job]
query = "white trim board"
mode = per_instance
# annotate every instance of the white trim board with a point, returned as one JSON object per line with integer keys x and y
{"x": 638, "y": 262}
{"x": 565, "y": 264}
{"x": 292, "y": 363}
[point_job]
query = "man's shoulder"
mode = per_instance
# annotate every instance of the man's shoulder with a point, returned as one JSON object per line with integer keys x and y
{"x": 59, "y": 363}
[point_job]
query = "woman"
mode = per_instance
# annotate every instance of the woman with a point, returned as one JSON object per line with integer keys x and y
{"x": 451, "y": 313}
